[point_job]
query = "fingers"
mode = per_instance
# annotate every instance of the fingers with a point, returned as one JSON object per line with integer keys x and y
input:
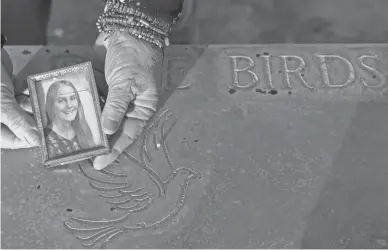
{"x": 117, "y": 102}
{"x": 130, "y": 130}
{"x": 13, "y": 116}
{"x": 145, "y": 106}
{"x": 10, "y": 141}
{"x": 20, "y": 123}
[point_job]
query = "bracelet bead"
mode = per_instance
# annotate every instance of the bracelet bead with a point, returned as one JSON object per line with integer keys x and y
{"x": 119, "y": 16}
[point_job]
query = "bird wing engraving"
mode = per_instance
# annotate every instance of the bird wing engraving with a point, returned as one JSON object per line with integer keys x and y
{"x": 132, "y": 196}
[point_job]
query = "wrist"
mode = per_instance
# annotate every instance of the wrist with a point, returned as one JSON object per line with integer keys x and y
{"x": 142, "y": 48}
{"x": 107, "y": 40}
{"x": 122, "y": 36}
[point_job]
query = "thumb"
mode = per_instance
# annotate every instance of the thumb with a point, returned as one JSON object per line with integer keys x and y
{"x": 119, "y": 97}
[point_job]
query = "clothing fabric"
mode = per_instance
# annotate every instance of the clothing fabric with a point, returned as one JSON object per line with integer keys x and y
{"x": 3, "y": 40}
{"x": 58, "y": 145}
{"x": 165, "y": 10}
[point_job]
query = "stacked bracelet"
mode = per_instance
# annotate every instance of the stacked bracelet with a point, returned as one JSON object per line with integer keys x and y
{"x": 120, "y": 16}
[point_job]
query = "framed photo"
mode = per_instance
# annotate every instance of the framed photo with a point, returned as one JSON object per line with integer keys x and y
{"x": 66, "y": 106}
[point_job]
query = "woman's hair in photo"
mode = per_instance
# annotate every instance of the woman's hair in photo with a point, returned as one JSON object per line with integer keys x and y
{"x": 81, "y": 127}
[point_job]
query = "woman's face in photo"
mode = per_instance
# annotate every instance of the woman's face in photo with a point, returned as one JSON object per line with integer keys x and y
{"x": 66, "y": 104}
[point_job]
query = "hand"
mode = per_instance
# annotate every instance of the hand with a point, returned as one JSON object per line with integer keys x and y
{"x": 130, "y": 64}
{"x": 18, "y": 129}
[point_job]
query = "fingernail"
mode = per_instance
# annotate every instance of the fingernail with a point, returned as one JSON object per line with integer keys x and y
{"x": 33, "y": 137}
{"x": 110, "y": 125}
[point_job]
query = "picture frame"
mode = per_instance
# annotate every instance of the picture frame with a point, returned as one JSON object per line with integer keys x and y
{"x": 66, "y": 108}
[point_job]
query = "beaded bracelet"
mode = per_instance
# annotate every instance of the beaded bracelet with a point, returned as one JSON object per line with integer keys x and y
{"x": 119, "y": 16}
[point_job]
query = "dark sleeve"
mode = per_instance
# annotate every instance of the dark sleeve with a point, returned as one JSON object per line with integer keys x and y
{"x": 3, "y": 40}
{"x": 165, "y": 10}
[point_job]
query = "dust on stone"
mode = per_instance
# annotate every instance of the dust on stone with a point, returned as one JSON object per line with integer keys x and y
{"x": 26, "y": 52}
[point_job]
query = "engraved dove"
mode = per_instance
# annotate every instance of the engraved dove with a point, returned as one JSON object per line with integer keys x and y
{"x": 132, "y": 196}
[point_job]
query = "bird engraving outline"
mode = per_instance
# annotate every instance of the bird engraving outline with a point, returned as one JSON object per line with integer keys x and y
{"x": 104, "y": 231}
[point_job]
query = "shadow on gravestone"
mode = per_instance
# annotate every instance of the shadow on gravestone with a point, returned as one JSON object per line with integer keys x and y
{"x": 352, "y": 208}
{"x": 297, "y": 162}
{"x": 138, "y": 188}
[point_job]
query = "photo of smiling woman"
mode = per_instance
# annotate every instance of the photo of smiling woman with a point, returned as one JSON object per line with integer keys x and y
{"x": 67, "y": 130}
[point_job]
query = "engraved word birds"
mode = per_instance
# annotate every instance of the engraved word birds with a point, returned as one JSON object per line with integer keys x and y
{"x": 295, "y": 66}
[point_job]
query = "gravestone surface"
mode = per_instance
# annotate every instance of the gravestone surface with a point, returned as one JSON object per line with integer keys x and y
{"x": 275, "y": 146}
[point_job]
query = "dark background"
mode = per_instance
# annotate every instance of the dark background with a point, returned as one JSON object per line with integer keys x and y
{"x": 235, "y": 21}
